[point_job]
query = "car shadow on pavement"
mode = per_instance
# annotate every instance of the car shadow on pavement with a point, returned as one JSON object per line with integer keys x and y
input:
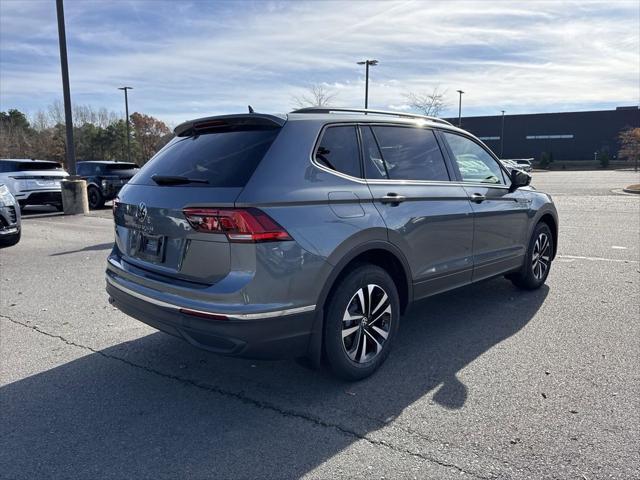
{"x": 91, "y": 248}
{"x": 155, "y": 407}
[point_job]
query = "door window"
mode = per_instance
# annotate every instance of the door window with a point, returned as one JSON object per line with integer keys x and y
{"x": 475, "y": 163}
{"x": 339, "y": 150}
{"x": 405, "y": 154}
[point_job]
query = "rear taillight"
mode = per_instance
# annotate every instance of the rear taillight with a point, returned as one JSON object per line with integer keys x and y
{"x": 239, "y": 224}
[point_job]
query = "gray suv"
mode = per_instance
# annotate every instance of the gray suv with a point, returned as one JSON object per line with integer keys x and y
{"x": 310, "y": 234}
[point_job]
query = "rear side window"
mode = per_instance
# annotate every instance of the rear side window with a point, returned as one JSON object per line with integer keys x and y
{"x": 339, "y": 150}
{"x": 82, "y": 168}
{"x": 409, "y": 154}
{"x": 224, "y": 159}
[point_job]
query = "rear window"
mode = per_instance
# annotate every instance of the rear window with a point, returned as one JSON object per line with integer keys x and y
{"x": 119, "y": 166}
{"x": 9, "y": 166}
{"x": 224, "y": 158}
{"x": 117, "y": 169}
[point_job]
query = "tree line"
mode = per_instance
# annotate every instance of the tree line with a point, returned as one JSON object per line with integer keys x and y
{"x": 98, "y": 134}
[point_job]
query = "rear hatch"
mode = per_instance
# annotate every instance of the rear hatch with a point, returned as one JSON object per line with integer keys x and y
{"x": 35, "y": 175}
{"x": 207, "y": 164}
{"x": 118, "y": 173}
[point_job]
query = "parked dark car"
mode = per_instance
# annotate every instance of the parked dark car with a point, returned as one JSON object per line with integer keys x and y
{"x": 9, "y": 218}
{"x": 309, "y": 234}
{"x": 105, "y": 179}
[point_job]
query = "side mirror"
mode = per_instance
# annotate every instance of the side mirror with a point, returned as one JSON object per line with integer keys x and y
{"x": 519, "y": 179}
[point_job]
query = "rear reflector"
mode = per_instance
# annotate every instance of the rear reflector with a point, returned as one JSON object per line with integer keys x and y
{"x": 248, "y": 225}
{"x": 208, "y": 316}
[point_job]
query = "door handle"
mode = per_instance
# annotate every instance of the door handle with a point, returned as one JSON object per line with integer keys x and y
{"x": 478, "y": 198}
{"x": 393, "y": 198}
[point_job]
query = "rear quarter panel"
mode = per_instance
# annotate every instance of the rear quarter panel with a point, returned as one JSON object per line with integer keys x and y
{"x": 327, "y": 215}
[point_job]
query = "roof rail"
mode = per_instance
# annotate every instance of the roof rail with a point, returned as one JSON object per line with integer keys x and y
{"x": 365, "y": 111}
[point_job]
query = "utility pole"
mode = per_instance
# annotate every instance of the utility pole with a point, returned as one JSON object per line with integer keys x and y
{"x": 73, "y": 190}
{"x": 502, "y": 137}
{"x": 68, "y": 120}
{"x": 126, "y": 108}
{"x": 367, "y": 63}
{"x": 460, "y": 109}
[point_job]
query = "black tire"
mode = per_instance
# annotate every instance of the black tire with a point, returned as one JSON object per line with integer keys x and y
{"x": 96, "y": 200}
{"x": 10, "y": 241}
{"x": 537, "y": 263}
{"x": 360, "y": 353}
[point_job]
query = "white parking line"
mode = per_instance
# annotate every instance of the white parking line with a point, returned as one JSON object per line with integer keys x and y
{"x": 598, "y": 259}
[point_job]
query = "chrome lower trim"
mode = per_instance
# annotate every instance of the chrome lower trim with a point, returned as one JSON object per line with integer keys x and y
{"x": 235, "y": 316}
{"x": 9, "y": 230}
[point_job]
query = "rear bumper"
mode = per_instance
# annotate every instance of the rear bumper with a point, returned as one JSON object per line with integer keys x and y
{"x": 110, "y": 191}
{"x": 273, "y": 334}
{"x": 39, "y": 197}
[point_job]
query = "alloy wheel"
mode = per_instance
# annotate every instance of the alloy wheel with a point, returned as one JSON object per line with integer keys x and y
{"x": 541, "y": 256}
{"x": 366, "y": 323}
{"x": 93, "y": 198}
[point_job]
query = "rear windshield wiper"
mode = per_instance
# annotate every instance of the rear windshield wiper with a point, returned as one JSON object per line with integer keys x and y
{"x": 175, "y": 180}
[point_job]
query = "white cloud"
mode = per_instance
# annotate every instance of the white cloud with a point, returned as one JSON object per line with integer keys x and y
{"x": 205, "y": 59}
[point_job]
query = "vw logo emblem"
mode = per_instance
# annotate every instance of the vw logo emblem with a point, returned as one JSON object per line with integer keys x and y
{"x": 141, "y": 214}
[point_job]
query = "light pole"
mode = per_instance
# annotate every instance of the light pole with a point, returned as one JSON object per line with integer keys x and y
{"x": 126, "y": 108}
{"x": 367, "y": 63}
{"x": 502, "y": 137}
{"x": 62, "y": 38}
{"x": 460, "y": 108}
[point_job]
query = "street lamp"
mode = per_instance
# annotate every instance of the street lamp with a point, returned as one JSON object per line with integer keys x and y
{"x": 460, "y": 108}
{"x": 126, "y": 107}
{"x": 502, "y": 136}
{"x": 367, "y": 63}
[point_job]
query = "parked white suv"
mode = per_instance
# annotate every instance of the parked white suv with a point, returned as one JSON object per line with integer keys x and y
{"x": 33, "y": 182}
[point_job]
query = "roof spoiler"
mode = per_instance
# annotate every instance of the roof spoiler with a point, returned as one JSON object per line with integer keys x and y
{"x": 221, "y": 121}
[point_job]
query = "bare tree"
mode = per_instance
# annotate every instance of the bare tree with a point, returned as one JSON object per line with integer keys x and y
{"x": 430, "y": 104}
{"x": 317, "y": 95}
{"x": 56, "y": 112}
{"x": 106, "y": 117}
{"x": 40, "y": 121}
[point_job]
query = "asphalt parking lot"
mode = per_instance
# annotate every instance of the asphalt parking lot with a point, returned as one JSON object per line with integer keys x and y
{"x": 484, "y": 382}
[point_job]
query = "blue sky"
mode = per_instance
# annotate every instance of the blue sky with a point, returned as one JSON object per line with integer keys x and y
{"x": 189, "y": 59}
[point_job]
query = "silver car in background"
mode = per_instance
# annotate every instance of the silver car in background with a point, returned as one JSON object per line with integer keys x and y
{"x": 33, "y": 182}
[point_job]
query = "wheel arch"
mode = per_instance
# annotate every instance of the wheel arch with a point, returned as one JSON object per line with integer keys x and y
{"x": 380, "y": 253}
{"x": 383, "y": 254}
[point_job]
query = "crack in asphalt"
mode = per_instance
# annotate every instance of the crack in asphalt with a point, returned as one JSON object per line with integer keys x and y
{"x": 254, "y": 402}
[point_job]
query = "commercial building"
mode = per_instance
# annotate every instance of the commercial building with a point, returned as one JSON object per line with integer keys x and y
{"x": 566, "y": 136}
